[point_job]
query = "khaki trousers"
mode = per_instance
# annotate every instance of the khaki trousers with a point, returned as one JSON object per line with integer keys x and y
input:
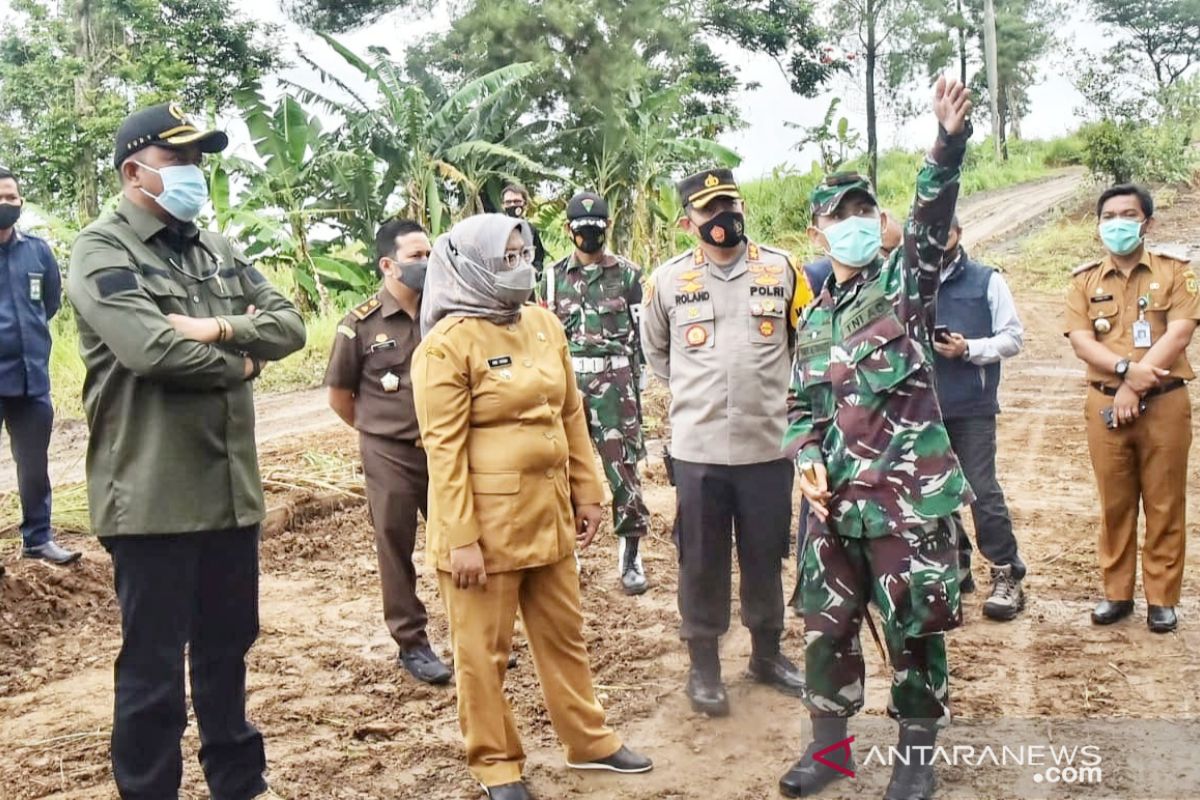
{"x": 481, "y": 627}
{"x": 1145, "y": 461}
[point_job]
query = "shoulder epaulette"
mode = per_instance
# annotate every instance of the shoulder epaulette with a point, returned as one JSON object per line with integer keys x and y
{"x": 776, "y": 250}
{"x": 1177, "y": 253}
{"x": 679, "y": 259}
{"x": 365, "y": 310}
{"x": 1082, "y": 268}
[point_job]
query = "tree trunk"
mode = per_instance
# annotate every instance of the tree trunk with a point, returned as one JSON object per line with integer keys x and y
{"x": 872, "y": 139}
{"x": 1002, "y": 113}
{"x": 87, "y": 191}
{"x": 962, "y": 44}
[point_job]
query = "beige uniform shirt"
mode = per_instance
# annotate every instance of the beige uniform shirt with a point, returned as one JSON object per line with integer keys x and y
{"x": 722, "y": 339}
{"x": 1103, "y": 300}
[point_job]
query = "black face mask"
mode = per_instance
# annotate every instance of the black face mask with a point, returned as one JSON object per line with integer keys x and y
{"x": 412, "y": 274}
{"x": 727, "y": 229}
{"x": 515, "y": 211}
{"x": 9, "y": 214}
{"x": 590, "y": 239}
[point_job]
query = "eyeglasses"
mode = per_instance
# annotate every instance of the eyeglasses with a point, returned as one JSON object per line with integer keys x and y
{"x": 514, "y": 257}
{"x": 514, "y": 203}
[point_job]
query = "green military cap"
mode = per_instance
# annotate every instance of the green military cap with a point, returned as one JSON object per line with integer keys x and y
{"x": 827, "y": 195}
{"x": 163, "y": 125}
{"x": 697, "y": 190}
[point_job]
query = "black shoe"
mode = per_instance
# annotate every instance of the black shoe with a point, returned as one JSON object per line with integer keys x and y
{"x": 704, "y": 687}
{"x": 1107, "y": 612}
{"x": 1161, "y": 619}
{"x": 508, "y": 791}
{"x": 808, "y": 775}
{"x": 914, "y": 780}
{"x": 629, "y": 566}
{"x": 52, "y": 552}
{"x": 512, "y": 660}
{"x": 624, "y": 761}
{"x": 778, "y": 671}
{"x": 424, "y": 665}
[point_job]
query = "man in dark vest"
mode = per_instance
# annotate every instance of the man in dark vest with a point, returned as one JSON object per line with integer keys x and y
{"x": 977, "y": 327}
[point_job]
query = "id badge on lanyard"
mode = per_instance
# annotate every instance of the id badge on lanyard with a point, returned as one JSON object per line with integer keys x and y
{"x": 1141, "y": 327}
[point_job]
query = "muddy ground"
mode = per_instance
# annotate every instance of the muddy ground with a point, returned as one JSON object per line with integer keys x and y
{"x": 342, "y": 722}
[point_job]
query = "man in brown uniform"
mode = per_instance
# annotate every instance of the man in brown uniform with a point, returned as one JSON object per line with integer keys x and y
{"x": 370, "y": 389}
{"x": 1130, "y": 317}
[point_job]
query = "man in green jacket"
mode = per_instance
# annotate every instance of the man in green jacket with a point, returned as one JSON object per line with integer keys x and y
{"x": 174, "y": 325}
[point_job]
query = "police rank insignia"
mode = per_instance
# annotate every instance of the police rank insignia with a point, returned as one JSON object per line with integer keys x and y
{"x": 390, "y": 382}
{"x": 766, "y": 327}
{"x": 696, "y": 335}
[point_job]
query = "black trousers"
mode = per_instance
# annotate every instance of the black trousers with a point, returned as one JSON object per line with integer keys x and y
{"x": 29, "y": 421}
{"x": 196, "y": 592}
{"x": 717, "y": 505}
{"x": 974, "y": 442}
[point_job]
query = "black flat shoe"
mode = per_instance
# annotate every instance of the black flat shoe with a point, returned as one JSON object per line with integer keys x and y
{"x": 1161, "y": 619}
{"x": 1109, "y": 611}
{"x": 624, "y": 761}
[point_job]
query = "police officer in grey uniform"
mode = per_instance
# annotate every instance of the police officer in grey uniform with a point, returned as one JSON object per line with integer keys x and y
{"x": 717, "y": 328}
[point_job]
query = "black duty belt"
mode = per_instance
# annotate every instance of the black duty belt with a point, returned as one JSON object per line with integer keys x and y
{"x": 1169, "y": 386}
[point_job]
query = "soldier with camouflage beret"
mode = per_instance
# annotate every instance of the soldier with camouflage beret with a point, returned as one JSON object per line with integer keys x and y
{"x": 876, "y": 465}
{"x": 598, "y": 297}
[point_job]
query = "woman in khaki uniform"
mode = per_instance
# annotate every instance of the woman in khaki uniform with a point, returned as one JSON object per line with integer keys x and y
{"x": 513, "y": 488}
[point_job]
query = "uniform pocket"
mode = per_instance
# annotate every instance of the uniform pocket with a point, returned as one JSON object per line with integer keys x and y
{"x": 227, "y": 287}
{"x": 935, "y": 605}
{"x": 885, "y": 355}
{"x": 767, "y": 324}
{"x": 170, "y": 296}
{"x": 812, "y": 379}
{"x": 697, "y": 324}
{"x": 614, "y": 318}
{"x": 495, "y": 483}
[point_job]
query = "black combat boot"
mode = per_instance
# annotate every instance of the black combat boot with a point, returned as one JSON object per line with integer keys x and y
{"x": 808, "y": 775}
{"x": 769, "y": 666}
{"x": 914, "y": 780}
{"x": 704, "y": 687}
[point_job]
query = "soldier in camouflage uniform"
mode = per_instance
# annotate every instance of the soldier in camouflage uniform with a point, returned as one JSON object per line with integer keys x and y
{"x": 597, "y": 295}
{"x": 876, "y": 465}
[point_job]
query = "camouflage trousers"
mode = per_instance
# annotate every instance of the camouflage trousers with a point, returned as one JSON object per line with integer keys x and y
{"x": 912, "y": 577}
{"x": 612, "y": 410}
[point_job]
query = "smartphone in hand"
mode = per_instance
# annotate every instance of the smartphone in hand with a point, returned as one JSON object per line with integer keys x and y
{"x": 941, "y": 333}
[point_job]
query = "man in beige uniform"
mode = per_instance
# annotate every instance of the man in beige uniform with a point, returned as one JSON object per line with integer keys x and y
{"x": 1130, "y": 318}
{"x": 371, "y": 390}
{"x": 717, "y": 327}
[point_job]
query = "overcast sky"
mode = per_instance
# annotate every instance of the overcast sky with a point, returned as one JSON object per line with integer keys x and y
{"x": 766, "y": 142}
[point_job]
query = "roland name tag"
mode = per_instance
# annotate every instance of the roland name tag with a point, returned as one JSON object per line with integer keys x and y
{"x": 500, "y": 361}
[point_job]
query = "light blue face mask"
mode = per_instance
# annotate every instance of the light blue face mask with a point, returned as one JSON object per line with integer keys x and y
{"x": 1121, "y": 236}
{"x": 855, "y": 242}
{"x": 184, "y": 190}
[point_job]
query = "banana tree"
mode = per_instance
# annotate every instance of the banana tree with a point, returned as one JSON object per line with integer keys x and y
{"x": 438, "y": 148}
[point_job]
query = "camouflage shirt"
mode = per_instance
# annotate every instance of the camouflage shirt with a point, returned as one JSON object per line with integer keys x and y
{"x": 862, "y": 399}
{"x": 596, "y": 304}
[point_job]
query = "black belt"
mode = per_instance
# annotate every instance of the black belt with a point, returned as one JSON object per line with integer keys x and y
{"x": 1169, "y": 386}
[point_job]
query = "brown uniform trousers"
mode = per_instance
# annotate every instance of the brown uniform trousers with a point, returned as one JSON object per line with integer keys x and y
{"x": 397, "y": 487}
{"x": 505, "y": 431}
{"x": 371, "y": 356}
{"x": 1145, "y": 461}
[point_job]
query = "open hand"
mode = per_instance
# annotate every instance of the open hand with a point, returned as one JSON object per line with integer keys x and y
{"x": 951, "y": 104}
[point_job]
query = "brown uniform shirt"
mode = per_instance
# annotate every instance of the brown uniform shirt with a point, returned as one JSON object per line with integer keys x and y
{"x": 371, "y": 356}
{"x": 1103, "y": 300}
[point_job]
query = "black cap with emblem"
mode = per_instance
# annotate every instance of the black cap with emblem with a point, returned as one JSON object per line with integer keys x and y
{"x": 699, "y": 189}
{"x": 587, "y": 205}
{"x": 163, "y": 125}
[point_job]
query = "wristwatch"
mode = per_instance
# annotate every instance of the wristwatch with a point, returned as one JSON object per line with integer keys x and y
{"x": 1122, "y": 368}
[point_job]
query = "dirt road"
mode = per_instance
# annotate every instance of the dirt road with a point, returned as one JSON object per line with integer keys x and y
{"x": 343, "y": 724}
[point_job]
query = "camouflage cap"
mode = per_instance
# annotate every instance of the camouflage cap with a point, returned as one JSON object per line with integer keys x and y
{"x": 699, "y": 189}
{"x": 827, "y": 195}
